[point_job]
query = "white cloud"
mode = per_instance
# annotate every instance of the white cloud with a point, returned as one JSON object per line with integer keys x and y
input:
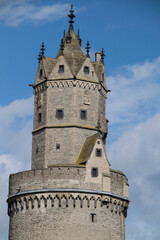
{"x": 134, "y": 114}
{"x": 14, "y": 13}
{"x": 134, "y": 93}
{"x": 15, "y": 148}
{"x": 137, "y": 153}
{"x": 8, "y": 164}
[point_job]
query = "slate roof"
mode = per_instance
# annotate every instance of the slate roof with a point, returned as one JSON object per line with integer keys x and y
{"x": 87, "y": 149}
{"x": 73, "y": 55}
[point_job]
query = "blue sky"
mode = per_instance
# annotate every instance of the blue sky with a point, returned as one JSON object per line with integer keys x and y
{"x": 129, "y": 33}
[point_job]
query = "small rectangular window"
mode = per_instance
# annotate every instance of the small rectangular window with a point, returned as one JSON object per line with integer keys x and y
{"x": 98, "y": 152}
{"x": 61, "y": 68}
{"x": 57, "y": 146}
{"x": 41, "y": 73}
{"x": 59, "y": 113}
{"x": 94, "y": 172}
{"x": 83, "y": 114}
{"x": 93, "y": 217}
{"x": 39, "y": 117}
{"x": 86, "y": 69}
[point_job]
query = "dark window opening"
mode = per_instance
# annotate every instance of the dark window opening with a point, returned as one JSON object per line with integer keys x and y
{"x": 41, "y": 73}
{"x": 94, "y": 172}
{"x": 104, "y": 138}
{"x": 59, "y": 113}
{"x": 93, "y": 217}
{"x": 61, "y": 68}
{"x": 98, "y": 152}
{"x": 37, "y": 150}
{"x": 92, "y": 73}
{"x": 86, "y": 69}
{"x": 57, "y": 146}
{"x": 83, "y": 114}
{"x": 98, "y": 142}
{"x": 39, "y": 117}
{"x": 68, "y": 39}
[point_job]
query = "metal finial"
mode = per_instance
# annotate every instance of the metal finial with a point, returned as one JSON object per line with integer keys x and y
{"x": 87, "y": 48}
{"x": 102, "y": 55}
{"x": 78, "y": 32}
{"x": 71, "y": 16}
{"x": 64, "y": 33}
{"x": 39, "y": 57}
{"x": 62, "y": 46}
{"x": 42, "y": 49}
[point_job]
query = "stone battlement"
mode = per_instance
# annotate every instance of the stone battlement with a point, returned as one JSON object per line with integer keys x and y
{"x": 69, "y": 176}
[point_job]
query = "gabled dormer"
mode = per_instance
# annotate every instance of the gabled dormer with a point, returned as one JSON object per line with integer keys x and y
{"x": 93, "y": 156}
{"x": 87, "y": 71}
{"x": 61, "y": 70}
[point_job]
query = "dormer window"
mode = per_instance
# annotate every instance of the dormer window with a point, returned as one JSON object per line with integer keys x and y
{"x": 86, "y": 69}
{"x": 98, "y": 152}
{"x": 41, "y": 73}
{"x": 94, "y": 172}
{"x": 61, "y": 68}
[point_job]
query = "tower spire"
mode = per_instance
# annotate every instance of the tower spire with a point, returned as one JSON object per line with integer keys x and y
{"x": 71, "y": 16}
{"x": 87, "y": 48}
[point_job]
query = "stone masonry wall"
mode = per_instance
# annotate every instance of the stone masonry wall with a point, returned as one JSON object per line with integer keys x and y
{"x": 66, "y": 216}
{"x": 71, "y": 99}
{"x": 61, "y": 177}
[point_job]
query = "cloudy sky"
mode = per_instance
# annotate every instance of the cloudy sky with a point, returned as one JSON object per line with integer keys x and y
{"x": 129, "y": 33}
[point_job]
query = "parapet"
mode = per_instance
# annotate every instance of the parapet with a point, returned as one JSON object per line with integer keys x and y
{"x": 66, "y": 177}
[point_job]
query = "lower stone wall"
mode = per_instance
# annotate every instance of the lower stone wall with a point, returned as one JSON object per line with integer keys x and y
{"x": 66, "y": 216}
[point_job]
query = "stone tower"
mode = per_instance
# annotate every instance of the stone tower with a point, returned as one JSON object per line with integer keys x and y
{"x": 71, "y": 193}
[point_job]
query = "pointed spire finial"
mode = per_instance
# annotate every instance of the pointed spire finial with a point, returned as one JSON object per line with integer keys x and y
{"x": 78, "y": 37}
{"x": 62, "y": 46}
{"x": 39, "y": 57}
{"x": 64, "y": 33}
{"x": 71, "y": 16}
{"x": 42, "y": 49}
{"x": 102, "y": 55}
{"x": 87, "y": 48}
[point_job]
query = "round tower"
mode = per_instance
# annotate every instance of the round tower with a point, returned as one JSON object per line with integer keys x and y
{"x": 71, "y": 191}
